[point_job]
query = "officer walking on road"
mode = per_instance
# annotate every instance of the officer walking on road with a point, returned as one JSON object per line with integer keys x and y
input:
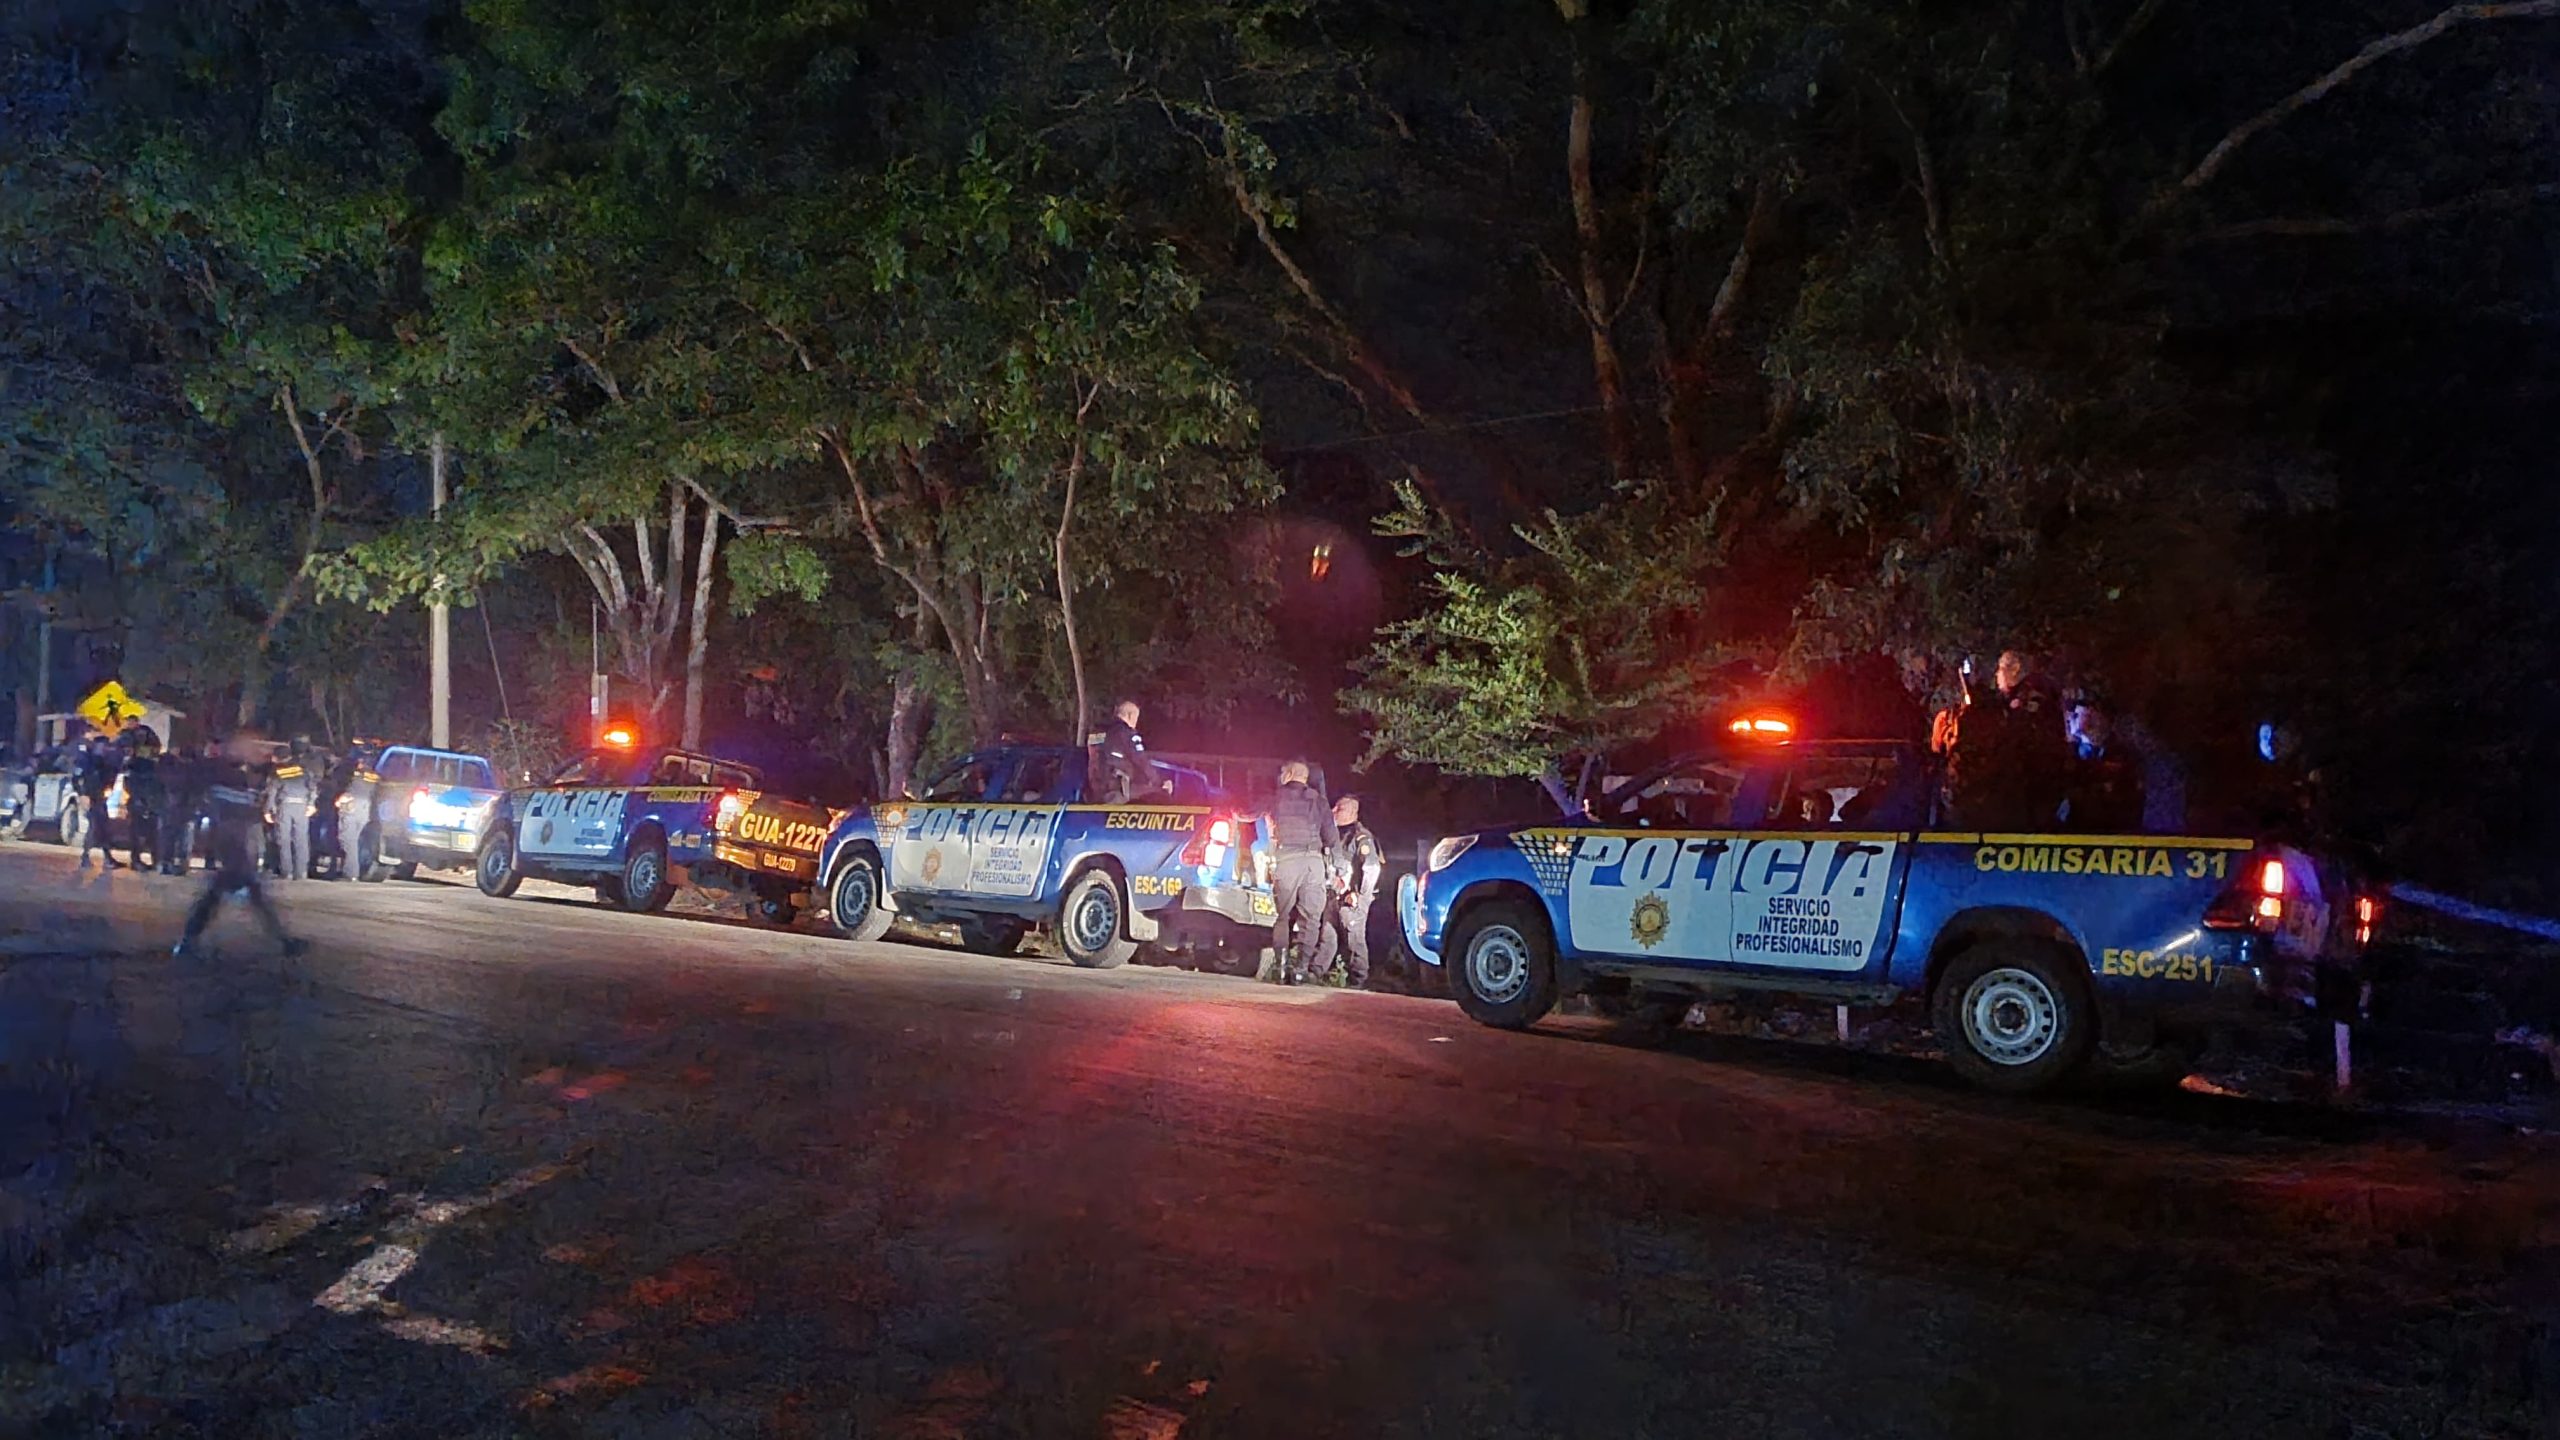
{"x": 1304, "y": 844}
{"x": 232, "y": 786}
{"x": 288, "y": 799}
{"x": 1346, "y": 919}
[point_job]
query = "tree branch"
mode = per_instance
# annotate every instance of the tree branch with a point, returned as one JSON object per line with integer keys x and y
{"x": 1755, "y": 232}
{"x": 2134, "y": 25}
{"x": 602, "y": 376}
{"x": 616, "y": 593}
{"x": 2371, "y": 55}
{"x": 318, "y": 474}
{"x": 2311, "y": 225}
{"x": 737, "y": 521}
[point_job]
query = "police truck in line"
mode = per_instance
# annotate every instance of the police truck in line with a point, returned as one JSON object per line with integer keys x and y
{"x": 1004, "y": 840}
{"x": 636, "y": 824}
{"x": 1820, "y": 869}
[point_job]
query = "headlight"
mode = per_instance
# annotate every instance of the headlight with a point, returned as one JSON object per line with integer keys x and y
{"x": 1446, "y": 853}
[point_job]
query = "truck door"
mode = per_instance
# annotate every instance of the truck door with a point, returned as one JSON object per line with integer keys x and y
{"x": 1817, "y": 878}
{"x": 1012, "y": 840}
{"x": 932, "y": 850}
{"x": 1653, "y": 882}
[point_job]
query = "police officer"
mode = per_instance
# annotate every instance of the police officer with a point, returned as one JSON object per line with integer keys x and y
{"x": 1127, "y": 772}
{"x": 288, "y": 802}
{"x": 94, "y": 773}
{"x": 145, "y": 796}
{"x": 2105, "y": 791}
{"x": 182, "y": 786}
{"x": 234, "y": 788}
{"x": 2010, "y": 756}
{"x": 1304, "y": 845}
{"x": 1346, "y": 926}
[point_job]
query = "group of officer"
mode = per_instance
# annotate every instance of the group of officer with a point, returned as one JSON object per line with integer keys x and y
{"x": 168, "y": 793}
{"x": 1325, "y": 865}
{"x": 2022, "y": 758}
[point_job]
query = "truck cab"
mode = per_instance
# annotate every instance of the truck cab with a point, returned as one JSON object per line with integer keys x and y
{"x": 1003, "y": 840}
{"x": 1821, "y": 869}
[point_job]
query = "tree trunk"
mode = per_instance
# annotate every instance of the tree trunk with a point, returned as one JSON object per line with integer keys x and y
{"x": 699, "y": 651}
{"x": 1598, "y": 314}
{"x": 1066, "y": 576}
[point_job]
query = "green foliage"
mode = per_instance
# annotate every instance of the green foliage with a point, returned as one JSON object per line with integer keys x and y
{"x": 1600, "y": 633}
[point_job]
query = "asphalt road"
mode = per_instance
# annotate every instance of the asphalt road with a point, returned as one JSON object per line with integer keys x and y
{"x": 533, "y": 1167}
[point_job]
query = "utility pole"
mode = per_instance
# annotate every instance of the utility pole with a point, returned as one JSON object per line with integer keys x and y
{"x": 439, "y": 631}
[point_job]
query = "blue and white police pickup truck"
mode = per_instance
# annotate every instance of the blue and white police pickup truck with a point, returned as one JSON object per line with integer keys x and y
{"x": 1004, "y": 840}
{"x": 1813, "y": 869}
{"x": 636, "y": 824}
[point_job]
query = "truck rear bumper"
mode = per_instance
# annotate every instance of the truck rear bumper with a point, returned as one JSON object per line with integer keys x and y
{"x": 1217, "y": 911}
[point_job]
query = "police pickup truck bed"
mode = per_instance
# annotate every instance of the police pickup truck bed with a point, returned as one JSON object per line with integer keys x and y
{"x": 1002, "y": 840}
{"x": 1811, "y": 869}
{"x": 635, "y": 825}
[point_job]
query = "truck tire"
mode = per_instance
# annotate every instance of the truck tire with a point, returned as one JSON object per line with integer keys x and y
{"x": 1092, "y": 922}
{"x": 993, "y": 935}
{"x": 405, "y": 870}
{"x": 1502, "y": 964}
{"x": 2147, "y": 1069}
{"x": 645, "y": 888}
{"x": 855, "y": 896}
{"x": 494, "y": 871}
{"x": 2015, "y": 1016}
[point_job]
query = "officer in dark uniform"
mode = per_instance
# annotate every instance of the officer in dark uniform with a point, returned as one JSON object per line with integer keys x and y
{"x": 94, "y": 774}
{"x": 2104, "y": 794}
{"x": 145, "y": 796}
{"x": 2011, "y": 760}
{"x": 289, "y": 794}
{"x": 182, "y": 786}
{"x": 1346, "y": 927}
{"x": 1305, "y": 844}
{"x": 236, "y": 791}
{"x": 1127, "y": 772}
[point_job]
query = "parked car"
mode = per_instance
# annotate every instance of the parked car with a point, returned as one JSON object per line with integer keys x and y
{"x": 410, "y": 808}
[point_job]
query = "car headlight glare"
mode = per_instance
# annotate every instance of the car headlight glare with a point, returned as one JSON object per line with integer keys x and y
{"x": 1446, "y": 853}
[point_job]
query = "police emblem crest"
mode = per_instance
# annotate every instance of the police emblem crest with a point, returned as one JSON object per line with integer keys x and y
{"x": 1651, "y": 921}
{"x": 932, "y": 864}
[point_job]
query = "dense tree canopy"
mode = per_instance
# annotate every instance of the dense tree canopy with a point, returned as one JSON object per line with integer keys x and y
{"x": 886, "y": 376}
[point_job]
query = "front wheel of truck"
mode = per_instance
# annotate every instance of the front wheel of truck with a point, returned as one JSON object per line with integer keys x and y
{"x": 2015, "y": 1016}
{"x": 1502, "y": 965}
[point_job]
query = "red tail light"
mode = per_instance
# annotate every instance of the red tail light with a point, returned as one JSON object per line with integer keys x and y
{"x": 2257, "y": 903}
{"x": 1211, "y": 847}
{"x": 421, "y": 793}
{"x": 2368, "y": 910}
{"x": 725, "y": 813}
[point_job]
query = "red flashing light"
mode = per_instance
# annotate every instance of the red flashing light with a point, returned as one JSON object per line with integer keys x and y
{"x": 618, "y": 737}
{"x": 1210, "y": 849}
{"x": 724, "y": 815}
{"x": 1763, "y": 727}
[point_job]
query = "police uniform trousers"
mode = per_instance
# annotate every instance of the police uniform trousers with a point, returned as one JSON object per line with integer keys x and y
{"x": 293, "y": 840}
{"x": 1298, "y": 896}
{"x": 1346, "y": 933}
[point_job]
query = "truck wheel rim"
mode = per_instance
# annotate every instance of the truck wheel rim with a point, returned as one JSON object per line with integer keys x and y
{"x": 1498, "y": 964}
{"x": 493, "y": 861}
{"x": 853, "y": 897}
{"x": 644, "y": 877}
{"x": 2011, "y": 1017}
{"x": 1096, "y": 922}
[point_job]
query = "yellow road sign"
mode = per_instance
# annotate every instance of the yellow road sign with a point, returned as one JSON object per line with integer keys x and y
{"x": 110, "y": 709}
